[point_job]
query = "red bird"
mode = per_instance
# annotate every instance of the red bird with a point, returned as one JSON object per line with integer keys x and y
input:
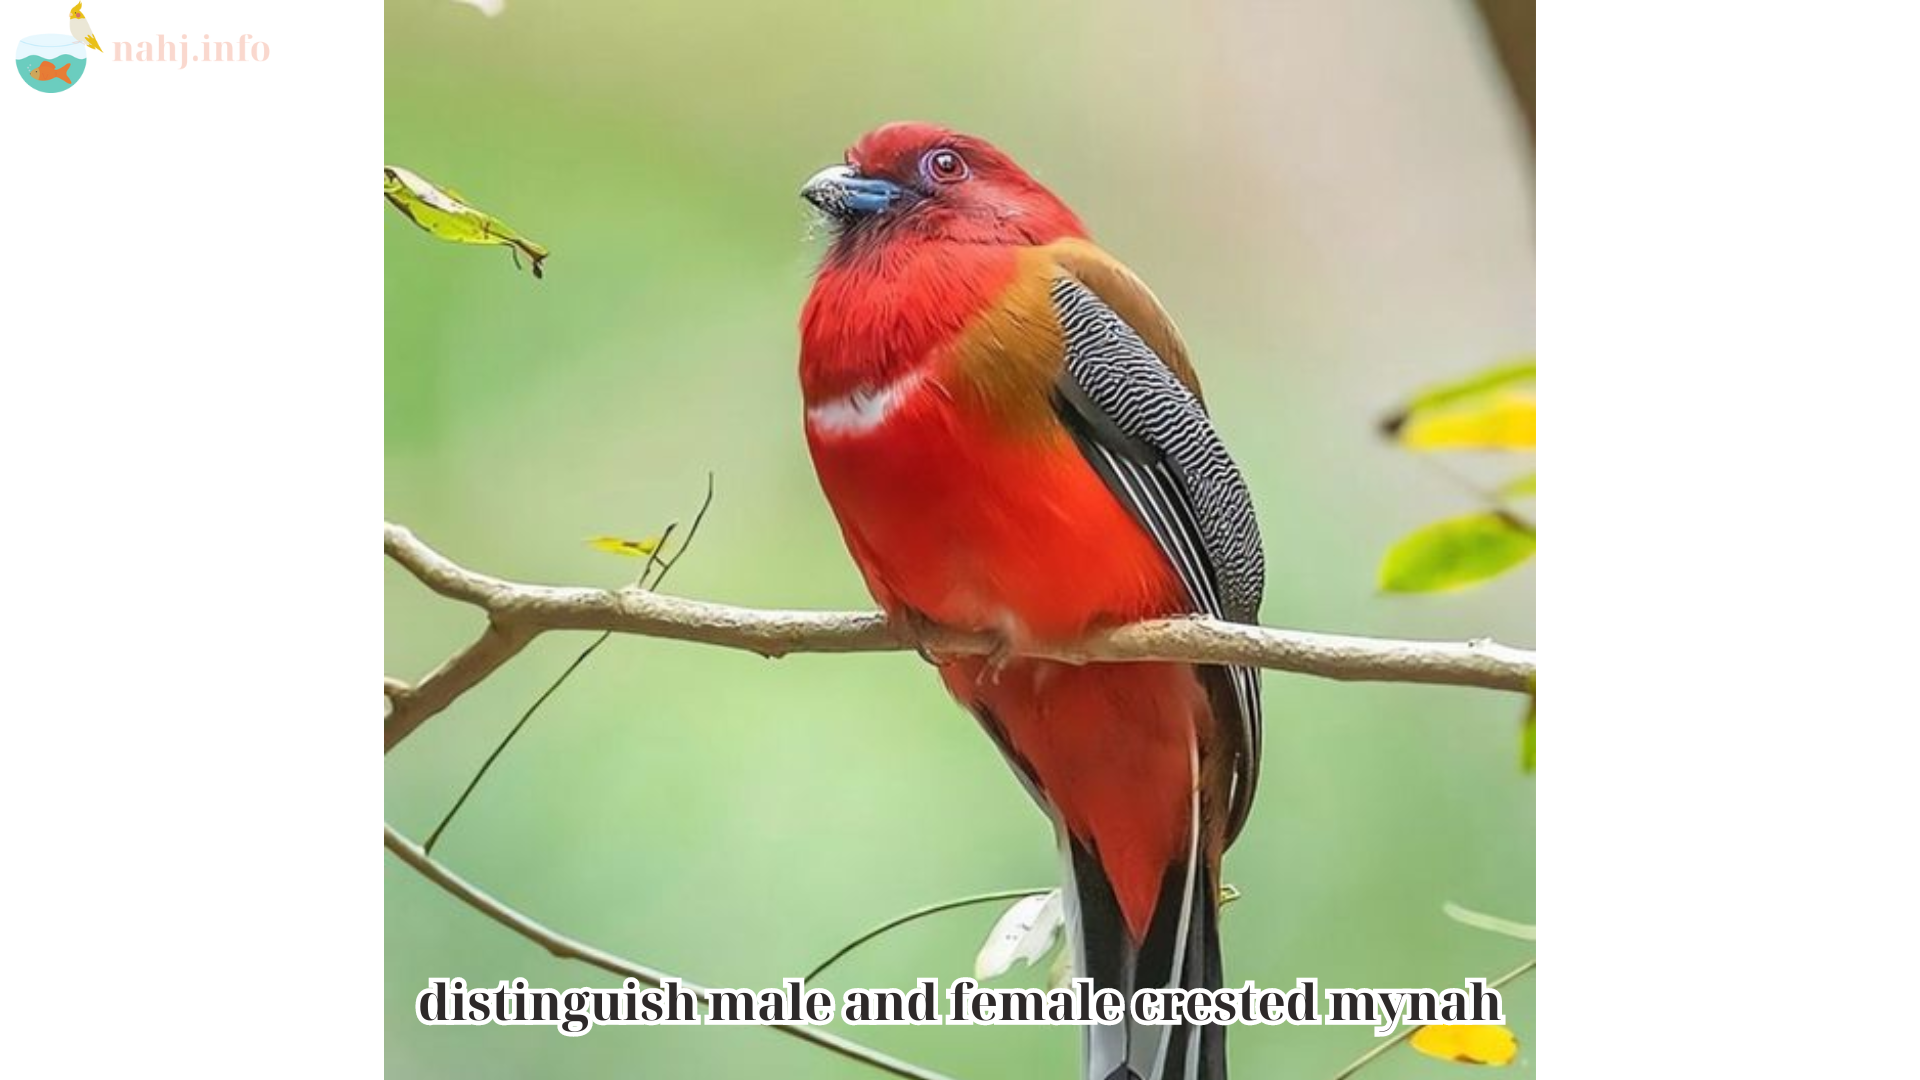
{"x": 1013, "y": 441}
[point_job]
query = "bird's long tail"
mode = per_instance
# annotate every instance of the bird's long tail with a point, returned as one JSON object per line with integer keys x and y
{"x": 1181, "y": 949}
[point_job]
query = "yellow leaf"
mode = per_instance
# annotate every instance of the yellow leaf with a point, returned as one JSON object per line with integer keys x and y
{"x": 1502, "y": 420}
{"x": 1490, "y": 409}
{"x": 1468, "y": 1044}
{"x": 442, "y": 212}
{"x": 615, "y": 545}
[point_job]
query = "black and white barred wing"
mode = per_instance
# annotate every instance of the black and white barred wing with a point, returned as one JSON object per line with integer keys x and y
{"x": 1149, "y": 438}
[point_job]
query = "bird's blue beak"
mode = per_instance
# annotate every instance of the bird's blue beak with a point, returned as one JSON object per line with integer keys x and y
{"x": 843, "y": 193}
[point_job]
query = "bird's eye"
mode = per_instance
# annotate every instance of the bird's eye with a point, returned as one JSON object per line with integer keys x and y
{"x": 944, "y": 166}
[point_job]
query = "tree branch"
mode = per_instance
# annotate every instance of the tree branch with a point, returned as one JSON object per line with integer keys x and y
{"x": 517, "y": 613}
{"x": 409, "y": 707}
{"x": 567, "y": 948}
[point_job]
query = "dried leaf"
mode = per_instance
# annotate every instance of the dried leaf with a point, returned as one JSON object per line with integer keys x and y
{"x": 443, "y": 213}
{"x": 1468, "y": 1044}
{"x": 615, "y": 545}
{"x": 1480, "y": 920}
{"x": 1024, "y": 933}
{"x": 1456, "y": 552}
{"x": 1061, "y": 974}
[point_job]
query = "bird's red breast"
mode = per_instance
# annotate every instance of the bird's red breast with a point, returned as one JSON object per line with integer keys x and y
{"x": 931, "y": 428}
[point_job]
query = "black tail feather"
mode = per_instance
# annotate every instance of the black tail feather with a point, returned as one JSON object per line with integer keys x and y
{"x": 1105, "y": 952}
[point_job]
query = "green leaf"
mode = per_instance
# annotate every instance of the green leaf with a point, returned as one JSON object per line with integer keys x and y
{"x": 1498, "y": 388}
{"x": 1511, "y": 373}
{"x": 1456, "y": 552}
{"x": 1060, "y": 972}
{"x": 443, "y": 213}
{"x": 1526, "y": 736}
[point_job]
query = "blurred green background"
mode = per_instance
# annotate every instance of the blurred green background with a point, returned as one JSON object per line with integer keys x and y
{"x": 1334, "y": 200}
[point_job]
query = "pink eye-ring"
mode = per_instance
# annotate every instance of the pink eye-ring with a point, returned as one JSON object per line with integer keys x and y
{"x": 944, "y": 166}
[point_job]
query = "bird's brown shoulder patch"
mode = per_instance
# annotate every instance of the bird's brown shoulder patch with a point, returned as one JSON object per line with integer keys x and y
{"x": 1007, "y": 359}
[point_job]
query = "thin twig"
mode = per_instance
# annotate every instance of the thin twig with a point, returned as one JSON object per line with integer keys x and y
{"x": 1494, "y": 499}
{"x": 479, "y": 774}
{"x": 434, "y": 836}
{"x": 533, "y": 609}
{"x": 692, "y": 531}
{"x": 916, "y": 914}
{"x": 654, "y": 561}
{"x": 567, "y": 948}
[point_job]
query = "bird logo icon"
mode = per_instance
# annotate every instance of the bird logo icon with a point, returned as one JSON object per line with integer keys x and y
{"x": 77, "y": 23}
{"x": 51, "y": 63}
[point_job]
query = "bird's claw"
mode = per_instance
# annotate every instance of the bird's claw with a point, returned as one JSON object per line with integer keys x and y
{"x": 916, "y": 630}
{"x": 997, "y": 660}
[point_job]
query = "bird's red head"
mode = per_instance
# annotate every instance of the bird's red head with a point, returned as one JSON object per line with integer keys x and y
{"x": 915, "y": 180}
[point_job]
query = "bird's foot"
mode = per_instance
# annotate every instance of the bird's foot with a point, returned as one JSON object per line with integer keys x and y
{"x": 1005, "y": 649}
{"x": 917, "y": 631}
{"x": 920, "y": 633}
